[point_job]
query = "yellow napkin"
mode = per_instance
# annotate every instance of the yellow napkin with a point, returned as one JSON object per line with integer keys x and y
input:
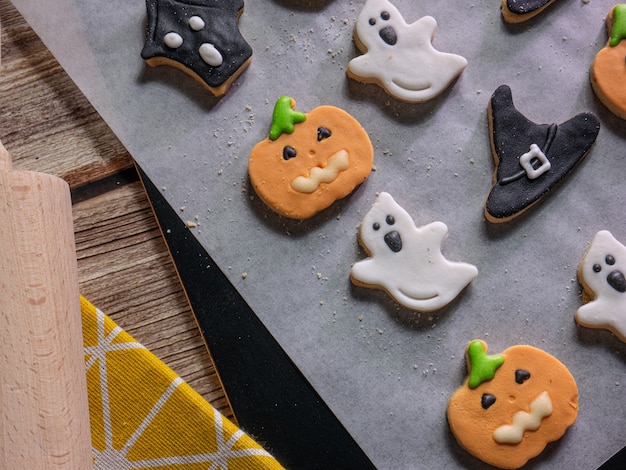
{"x": 143, "y": 415}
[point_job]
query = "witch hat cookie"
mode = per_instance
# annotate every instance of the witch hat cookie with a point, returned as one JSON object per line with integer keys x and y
{"x": 530, "y": 158}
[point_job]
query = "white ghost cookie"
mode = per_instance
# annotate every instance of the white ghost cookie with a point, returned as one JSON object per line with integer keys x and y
{"x": 602, "y": 275}
{"x": 400, "y": 57}
{"x": 406, "y": 261}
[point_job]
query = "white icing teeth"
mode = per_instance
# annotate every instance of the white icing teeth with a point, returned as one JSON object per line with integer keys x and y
{"x": 210, "y": 55}
{"x": 173, "y": 40}
{"x": 336, "y": 164}
{"x": 540, "y": 408}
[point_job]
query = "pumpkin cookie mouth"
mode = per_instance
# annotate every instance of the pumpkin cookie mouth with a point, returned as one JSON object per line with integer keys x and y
{"x": 540, "y": 407}
{"x": 318, "y": 175}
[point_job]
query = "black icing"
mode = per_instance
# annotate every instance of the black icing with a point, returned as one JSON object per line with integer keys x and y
{"x": 221, "y": 29}
{"x": 390, "y": 219}
{"x": 521, "y": 376}
{"x": 323, "y": 133}
{"x": 617, "y": 281}
{"x": 289, "y": 152}
{"x": 393, "y": 241}
{"x": 610, "y": 260}
{"x": 487, "y": 400}
{"x": 523, "y": 7}
{"x": 388, "y": 35}
{"x": 512, "y": 133}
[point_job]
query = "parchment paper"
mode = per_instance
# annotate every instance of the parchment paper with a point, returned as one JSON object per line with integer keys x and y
{"x": 386, "y": 372}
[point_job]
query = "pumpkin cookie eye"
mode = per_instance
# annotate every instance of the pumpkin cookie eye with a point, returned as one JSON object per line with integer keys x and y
{"x": 521, "y": 376}
{"x": 323, "y": 133}
{"x": 487, "y": 400}
{"x": 289, "y": 152}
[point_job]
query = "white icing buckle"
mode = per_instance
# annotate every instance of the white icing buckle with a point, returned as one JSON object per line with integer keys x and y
{"x": 526, "y": 162}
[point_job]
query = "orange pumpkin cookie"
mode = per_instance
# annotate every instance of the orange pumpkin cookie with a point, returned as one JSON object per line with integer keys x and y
{"x": 512, "y": 405}
{"x": 608, "y": 71}
{"x": 309, "y": 160}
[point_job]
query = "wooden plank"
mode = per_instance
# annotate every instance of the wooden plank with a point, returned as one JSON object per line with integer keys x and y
{"x": 125, "y": 269}
{"x": 45, "y": 122}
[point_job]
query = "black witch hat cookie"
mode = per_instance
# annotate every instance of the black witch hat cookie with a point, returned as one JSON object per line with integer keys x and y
{"x": 531, "y": 159}
{"x": 199, "y": 37}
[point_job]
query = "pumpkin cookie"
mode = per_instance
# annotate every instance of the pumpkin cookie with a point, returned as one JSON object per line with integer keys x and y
{"x": 309, "y": 160}
{"x": 608, "y": 70}
{"x": 512, "y": 404}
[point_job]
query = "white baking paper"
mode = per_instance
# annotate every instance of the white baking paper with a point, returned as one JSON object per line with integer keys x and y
{"x": 385, "y": 371}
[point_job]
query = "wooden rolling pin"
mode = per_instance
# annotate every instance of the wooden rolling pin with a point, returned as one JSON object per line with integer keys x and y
{"x": 44, "y": 409}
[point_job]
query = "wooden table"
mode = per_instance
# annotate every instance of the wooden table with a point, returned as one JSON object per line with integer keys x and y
{"x": 124, "y": 267}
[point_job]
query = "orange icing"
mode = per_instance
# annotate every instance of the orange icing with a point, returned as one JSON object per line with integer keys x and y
{"x": 276, "y": 178}
{"x": 608, "y": 74}
{"x": 474, "y": 426}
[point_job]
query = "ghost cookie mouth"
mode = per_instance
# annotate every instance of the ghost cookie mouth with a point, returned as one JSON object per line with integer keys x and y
{"x": 318, "y": 175}
{"x": 410, "y": 86}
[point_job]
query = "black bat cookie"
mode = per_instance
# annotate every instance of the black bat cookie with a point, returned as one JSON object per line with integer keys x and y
{"x": 530, "y": 158}
{"x": 200, "y": 37}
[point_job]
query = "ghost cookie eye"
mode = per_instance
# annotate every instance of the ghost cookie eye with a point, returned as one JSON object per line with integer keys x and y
{"x": 390, "y": 220}
{"x": 610, "y": 260}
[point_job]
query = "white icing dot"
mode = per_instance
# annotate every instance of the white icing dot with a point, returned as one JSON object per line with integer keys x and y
{"x": 173, "y": 40}
{"x": 196, "y": 23}
{"x": 210, "y": 54}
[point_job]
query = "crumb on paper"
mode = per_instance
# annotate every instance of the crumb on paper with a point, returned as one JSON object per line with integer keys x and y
{"x": 191, "y": 224}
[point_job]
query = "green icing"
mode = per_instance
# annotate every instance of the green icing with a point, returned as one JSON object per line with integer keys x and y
{"x": 482, "y": 367}
{"x": 618, "y": 32}
{"x": 284, "y": 117}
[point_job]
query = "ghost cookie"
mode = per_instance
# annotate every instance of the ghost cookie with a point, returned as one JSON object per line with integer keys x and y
{"x": 406, "y": 261}
{"x": 531, "y": 159}
{"x": 517, "y": 11}
{"x": 400, "y": 57}
{"x": 199, "y": 37}
{"x": 602, "y": 274}
{"x": 512, "y": 405}
{"x": 608, "y": 70}
{"x": 309, "y": 161}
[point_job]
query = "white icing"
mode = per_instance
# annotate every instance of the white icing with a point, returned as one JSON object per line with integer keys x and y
{"x": 608, "y": 310}
{"x": 411, "y": 69}
{"x": 173, "y": 40}
{"x": 210, "y": 54}
{"x": 540, "y": 408}
{"x": 196, "y": 23}
{"x": 526, "y": 162}
{"x": 418, "y": 276}
{"x": 337, "y": 163}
